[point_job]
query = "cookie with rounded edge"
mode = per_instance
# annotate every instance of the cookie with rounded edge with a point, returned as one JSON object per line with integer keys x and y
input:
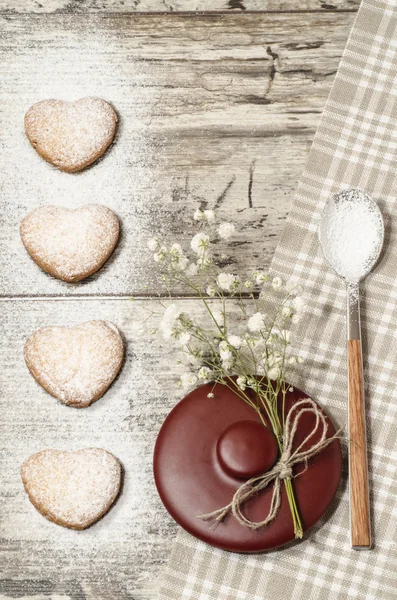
{"x": 75, "y": 364}
{"x": 71, "y": 135}
{"x": 72, "y": 489}
{"x": 70, "y": 244}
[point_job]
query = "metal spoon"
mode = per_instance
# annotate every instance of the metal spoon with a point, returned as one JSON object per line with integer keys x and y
{"x": 351, "y": 234}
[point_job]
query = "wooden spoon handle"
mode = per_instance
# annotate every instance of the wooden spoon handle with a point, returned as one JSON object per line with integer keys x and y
{"x": 358, "y": 469}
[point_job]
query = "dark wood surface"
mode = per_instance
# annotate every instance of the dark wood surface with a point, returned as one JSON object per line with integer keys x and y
{"x": 217, "y": 111}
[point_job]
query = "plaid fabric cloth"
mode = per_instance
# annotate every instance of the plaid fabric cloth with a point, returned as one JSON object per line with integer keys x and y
{"x": 356, "y": 145}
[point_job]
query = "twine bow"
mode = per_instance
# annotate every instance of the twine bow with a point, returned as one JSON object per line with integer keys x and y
{"x": 282, "y": 469}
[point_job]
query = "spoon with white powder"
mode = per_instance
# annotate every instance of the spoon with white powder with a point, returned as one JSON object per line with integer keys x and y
{"x": 351, "y": 234}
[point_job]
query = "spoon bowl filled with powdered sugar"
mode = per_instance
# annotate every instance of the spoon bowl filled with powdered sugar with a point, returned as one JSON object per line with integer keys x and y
{"x": 351, "y": 234}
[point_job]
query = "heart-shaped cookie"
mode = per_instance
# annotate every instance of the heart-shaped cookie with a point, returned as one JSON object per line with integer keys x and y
{"x": 71, "y": 135}
{"x": 70, "y": 244}
{"x": 75, "y": 364}
{"x": 72, "y": 489}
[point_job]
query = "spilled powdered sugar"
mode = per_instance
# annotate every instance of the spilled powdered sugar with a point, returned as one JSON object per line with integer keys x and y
{"x": 351, "y": 234}
{"x": 73, "y": 489}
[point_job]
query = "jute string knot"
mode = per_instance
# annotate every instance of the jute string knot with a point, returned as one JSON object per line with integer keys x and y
{"x": 283, "y": 469}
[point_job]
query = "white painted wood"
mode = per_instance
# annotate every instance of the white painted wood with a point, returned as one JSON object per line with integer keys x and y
{"x": 142, "y": 6}
{"x": 214, "y": 111}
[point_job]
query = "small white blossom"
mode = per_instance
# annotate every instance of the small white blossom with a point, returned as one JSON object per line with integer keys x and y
{"x": 260, "y": 277}
{"x": 227, "y": 281}
{"x": 226, "y": 230}
{"x": 188, "y": 380}
{"x": 160, "y": 255}
{"x": 204, "y": 373}
{"x": 227, "y": 364}
{"x": 183, "y": 337}
{"x": 152, "y": 244}
{"x": 191, "y": 270}
{"x": 292, "y": 360}
{"x": 209, "y": 216}
{"x": 286, "y": 311}
{"x": 241, "y": 382}
{"x": 300, "y": 359}
{"x": 210, "y": 395}
{"x": 277, "y": 283}
{"x": 256, "y": 322}
{"x": 285, "y": 335}
{"x": 200, "y": 243}
{"x": 274, "y": 373}
{"x": 235, "y": 341}
{"x": 171, "y": 315}
{"x": 291, "y": 389}
{"x": 211, "y": 291}
{"x": 224, "y": 351}
{"x": 198, "y": 215}
{"x": 204, "y": 262}
{"x": 248, "y": 284}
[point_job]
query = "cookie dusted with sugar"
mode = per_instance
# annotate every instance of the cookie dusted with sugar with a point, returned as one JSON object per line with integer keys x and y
{"x": 71, "y": 135}
{"x": 76, "y": 364}
{"x": 70, "y": 244}
{"x": 72, "y": 489}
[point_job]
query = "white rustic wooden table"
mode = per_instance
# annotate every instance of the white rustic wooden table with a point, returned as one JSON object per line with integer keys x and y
{"x": 218, "y": 109}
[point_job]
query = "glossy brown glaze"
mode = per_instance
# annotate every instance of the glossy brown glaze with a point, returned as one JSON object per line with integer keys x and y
{"x": 195, "y": 474}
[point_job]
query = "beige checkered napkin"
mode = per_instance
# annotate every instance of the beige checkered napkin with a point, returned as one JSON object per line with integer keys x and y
{"x": 356, "y": 145}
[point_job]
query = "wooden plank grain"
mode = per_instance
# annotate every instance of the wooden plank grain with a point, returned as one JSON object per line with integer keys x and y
{"x": 214, "y": 112}
{"x": 122, "y": 555}
{"x": 172, "y": 6}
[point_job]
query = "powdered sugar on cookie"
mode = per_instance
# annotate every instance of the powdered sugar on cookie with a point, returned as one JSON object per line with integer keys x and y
{"x": 71, "y": 135}
{"x": 70, "y": 244}
{"x": 73, "y": 489}
{"x": 76, "y": 364}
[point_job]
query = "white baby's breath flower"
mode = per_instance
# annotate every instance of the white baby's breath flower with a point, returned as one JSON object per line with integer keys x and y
{"x": 204, "y": 262}
{"x": 160, "y": 255}
{"x": 171, "y": 315}
{"x": 191, "y": 270}
{"x": 183, "y": 338}
{"x": 224, "y": 351}
{"x": 200, "y": 243}
{"x": 198, "y": 215}
{"x": 277, "y": 283}
{"x": 228, "y": 364}
{"x": 292, "y": 360}
{"x": 300, "y": 359}
{"x": 227, "y": 281}
{"x": 241, "y": 382}
{"x": 285, "y": 335}
{"x": 256, "y": 322}
{"x": 153, "y": 244}
{"x": 248, "y": 284}
{"x": 188, "y": 380}
{"x": 209, "y": 216}
{"x": 274, "y": 373}
{"x": 226, "y": 230}
{"x": 235, "y": 341}
{"x": 204, "y": 373}
{"x": 260, "y": 278}
{"x": 286, "y": 311}
{"x": 211, "y": 395}
{"x": 211, "y": 291}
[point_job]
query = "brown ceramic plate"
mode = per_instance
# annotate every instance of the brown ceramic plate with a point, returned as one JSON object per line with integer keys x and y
{"x": 207, "y": 447}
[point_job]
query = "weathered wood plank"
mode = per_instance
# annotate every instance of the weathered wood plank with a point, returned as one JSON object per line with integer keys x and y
{"x": 215, "y": 111}
{"x": 167, "y": 6}
{"x": 122, "y": 555}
